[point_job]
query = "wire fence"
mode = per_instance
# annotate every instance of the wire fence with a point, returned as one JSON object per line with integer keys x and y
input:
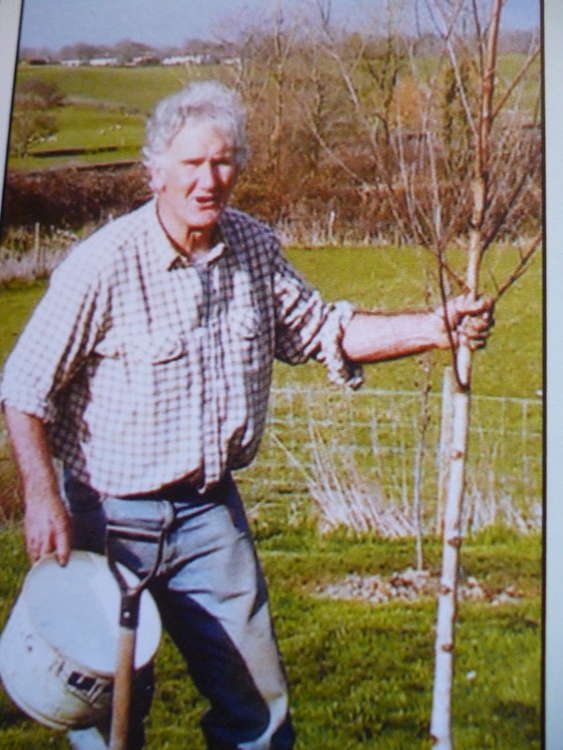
{"x": 382, "y": 448}
{"x": 388, "y": 443}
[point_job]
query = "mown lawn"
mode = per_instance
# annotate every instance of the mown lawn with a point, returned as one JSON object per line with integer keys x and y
{"x": 394, "y": 279}
{"x": 126, "y": 89}
{"x": 361, "y": 673}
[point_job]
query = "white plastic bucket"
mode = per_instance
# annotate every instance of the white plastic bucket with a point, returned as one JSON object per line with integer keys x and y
{"x": 58, "y": 650}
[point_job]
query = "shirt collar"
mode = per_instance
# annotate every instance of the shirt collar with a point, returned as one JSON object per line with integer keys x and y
{"x": 166, "y": 254}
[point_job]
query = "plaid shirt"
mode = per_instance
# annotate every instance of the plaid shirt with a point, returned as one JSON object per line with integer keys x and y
{"x": 148, "y": 368}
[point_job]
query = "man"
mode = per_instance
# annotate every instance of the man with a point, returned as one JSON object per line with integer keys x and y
{"x": 146, "y": 370}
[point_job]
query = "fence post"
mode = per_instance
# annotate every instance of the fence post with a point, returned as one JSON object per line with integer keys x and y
{"x": 446, "y": 426}
{"x": 37, "y": 251}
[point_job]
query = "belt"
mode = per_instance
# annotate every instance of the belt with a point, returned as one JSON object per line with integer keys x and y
{"x": 184, "y": 490}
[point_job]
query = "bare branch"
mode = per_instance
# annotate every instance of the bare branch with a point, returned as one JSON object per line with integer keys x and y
{"x": 324, "y": 8}
{"x": 521, "y": 267}
{"x": 511, "y": 201}
{"x": 515, "y": 81}
{"x": 446, "y": 34}
{"x": 479, "y": 34}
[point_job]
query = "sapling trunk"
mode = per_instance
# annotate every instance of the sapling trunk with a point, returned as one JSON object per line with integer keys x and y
{"x": 440, "y": 728}
{"x": 447, "y": 598}
{"x": 446, "y": 422}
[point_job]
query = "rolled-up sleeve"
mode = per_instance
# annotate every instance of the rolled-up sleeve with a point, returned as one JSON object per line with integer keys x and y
{"x": 53, "y": 344}
{"x": 308, "y": 327}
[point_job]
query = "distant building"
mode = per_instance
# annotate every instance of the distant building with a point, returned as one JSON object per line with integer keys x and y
{"x": 103, "y": 61}
{"x": 185, "y": 60}
{"x": 145, "y": 60}
{"x": 72, "y": 63}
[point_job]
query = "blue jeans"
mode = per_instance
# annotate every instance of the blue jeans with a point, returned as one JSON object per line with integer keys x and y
{"x": 212, "y": 599}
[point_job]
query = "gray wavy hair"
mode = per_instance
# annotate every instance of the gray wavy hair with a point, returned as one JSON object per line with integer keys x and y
{"x": 202, "y": 100}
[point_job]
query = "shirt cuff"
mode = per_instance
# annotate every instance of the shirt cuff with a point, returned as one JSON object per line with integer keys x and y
{"x": 340, "y": 369}
{"x": 36, "y": 407}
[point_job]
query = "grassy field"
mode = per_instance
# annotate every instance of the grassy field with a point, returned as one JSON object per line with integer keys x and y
{"x": 106, "y": 108}
{"x": 394, "y": 279}
{"x": 361, "y": 673}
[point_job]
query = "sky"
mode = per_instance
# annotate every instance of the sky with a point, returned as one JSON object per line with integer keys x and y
{"x": 54, "y": 23}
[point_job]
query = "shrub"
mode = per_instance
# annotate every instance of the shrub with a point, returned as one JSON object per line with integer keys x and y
{"x": 39, "y": 93}
{"x": 28, "y": 128}
{"x": 70, "y": 198}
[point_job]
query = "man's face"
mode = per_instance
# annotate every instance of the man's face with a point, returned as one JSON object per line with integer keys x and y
{"x": 195, "y": 178}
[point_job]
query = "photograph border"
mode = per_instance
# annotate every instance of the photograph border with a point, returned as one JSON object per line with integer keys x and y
{"x": 553, "y": 417}
{"x": 10, "y": 20}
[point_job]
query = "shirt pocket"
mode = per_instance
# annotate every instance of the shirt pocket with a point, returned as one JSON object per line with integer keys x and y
{"x": 146, "y": 370}
{"x": 165, "y": 350}
{"x": 160, "y": 367}
{"x": 109, "y": 348}
{"x": 143, "y": 349}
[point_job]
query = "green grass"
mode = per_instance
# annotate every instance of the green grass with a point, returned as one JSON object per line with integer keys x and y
{"x": 90, "y": 127}
{"x": 128, "y": 89}
{"x": 361, "y": 674}
{"x": 99, "y": 99}
{"x": 387, "y": 278}
{"x": 17, "y": 300}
